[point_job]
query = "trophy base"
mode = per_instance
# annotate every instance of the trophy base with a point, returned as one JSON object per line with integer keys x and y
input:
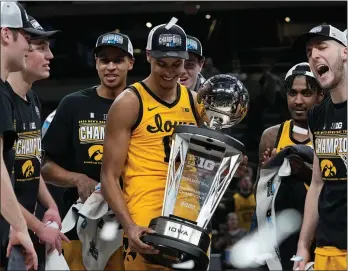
{"x": 177, "y": 241}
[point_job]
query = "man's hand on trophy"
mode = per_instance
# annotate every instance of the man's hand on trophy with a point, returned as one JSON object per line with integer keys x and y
{"x": 135, "y": 244}
{"x": 243, "y": 166}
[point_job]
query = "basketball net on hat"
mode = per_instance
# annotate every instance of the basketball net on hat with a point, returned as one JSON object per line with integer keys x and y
{"x": 172, "y": 22}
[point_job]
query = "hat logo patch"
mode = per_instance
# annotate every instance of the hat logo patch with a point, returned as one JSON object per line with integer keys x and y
{"x": 192, "y": 44}
{"x": 36, "y": 25}
{"x": 112, "y": 39}
{"x": 316, "y": 29}
{"x": 170, "y": 40}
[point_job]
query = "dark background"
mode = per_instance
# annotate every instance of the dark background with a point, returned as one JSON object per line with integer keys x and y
{"x": 245, "y": 37}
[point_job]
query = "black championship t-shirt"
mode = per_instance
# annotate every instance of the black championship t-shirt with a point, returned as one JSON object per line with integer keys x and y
{"x": 74, "y": 140}
{"x": 8, "y": 134}
{"x": 27, "y": 148}
{"x": 7, "y": 130}
{"x": 328, "y": 124}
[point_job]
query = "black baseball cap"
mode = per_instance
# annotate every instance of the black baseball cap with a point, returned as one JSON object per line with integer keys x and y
{"x": 326, "y": 31}
{"x": 194, "y": 46}
{"x": 167, "y": 40}
{"x": 40, "y": 30}
{"x": 13, "y": 15}
{"x": 118, "y": 40}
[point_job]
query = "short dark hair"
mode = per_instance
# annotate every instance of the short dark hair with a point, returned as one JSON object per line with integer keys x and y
{"x": 311, "y": 83}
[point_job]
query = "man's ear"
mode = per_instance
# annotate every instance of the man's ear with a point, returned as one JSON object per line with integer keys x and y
{"x": 201, "y": 63}
{"x": 344, "y": 54}
{"x": 148, "y": 57}
{"x": 131, "y": 63}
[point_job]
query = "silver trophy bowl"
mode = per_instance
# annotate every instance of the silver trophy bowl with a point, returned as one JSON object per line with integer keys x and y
{"x": 226, "y": 101}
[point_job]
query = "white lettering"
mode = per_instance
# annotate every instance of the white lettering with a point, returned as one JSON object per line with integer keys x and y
{"x": 91, "y": 133}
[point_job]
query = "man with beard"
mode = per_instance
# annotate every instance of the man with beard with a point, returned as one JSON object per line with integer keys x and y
{"x": 302, "y": 92}
{"x": 74, "y": 140}
{"x": 137, "y": 143}
{"x": 192, "y": 77}
{"x": 326, "y": 202}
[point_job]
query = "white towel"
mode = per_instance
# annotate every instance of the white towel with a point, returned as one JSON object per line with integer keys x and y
{"x": 267, "y": 189}
{"x": 54, "y": 261}
{"x": 89, "y": 220}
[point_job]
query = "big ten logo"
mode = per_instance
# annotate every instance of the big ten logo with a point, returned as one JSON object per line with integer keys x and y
{"x": 336, "y": 125}
{"x": 200, "y": 162}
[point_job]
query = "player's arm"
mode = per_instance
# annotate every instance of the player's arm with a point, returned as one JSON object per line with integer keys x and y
{"x": 55, "y": 174}
{"x": 45, "y": 197}
{"x": 267, "y": 143}
{"x": 10, "y": 208}
{"x": 121, "y": 117}
{"x": 311, "y": 216}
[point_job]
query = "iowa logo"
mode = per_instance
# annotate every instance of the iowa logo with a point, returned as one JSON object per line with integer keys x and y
{"x": 327, "y": 168}
{"x": 95, "y": 152}
{"x": 28, "y": 169}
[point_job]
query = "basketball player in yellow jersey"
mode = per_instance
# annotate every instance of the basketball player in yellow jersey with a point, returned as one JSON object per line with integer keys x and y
{"x": 137, "y": 141}
{"x": 302, "y": 93}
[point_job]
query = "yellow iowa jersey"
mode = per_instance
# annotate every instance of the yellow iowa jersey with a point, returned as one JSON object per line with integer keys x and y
{"x": 244, "y": 208}
{"x": 145, "y": 172}
{"x": 285, "y": 139}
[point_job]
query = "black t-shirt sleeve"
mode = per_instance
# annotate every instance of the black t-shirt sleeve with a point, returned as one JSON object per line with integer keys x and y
{"x": 57, "y": 142}
{"x": 7, "y": 129}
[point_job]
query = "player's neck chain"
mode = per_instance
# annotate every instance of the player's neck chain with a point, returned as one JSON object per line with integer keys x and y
{"x": 299, "y": 130}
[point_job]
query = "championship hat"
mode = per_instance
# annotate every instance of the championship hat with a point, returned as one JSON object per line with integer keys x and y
{"x": 167, "y": 40}
{"x": 194, "y": 46}
{"x": 13, "y": 15}
{"x": 118, "y": 40}
{"x": 326, "y": 31}
{"x": 42, "y": 33}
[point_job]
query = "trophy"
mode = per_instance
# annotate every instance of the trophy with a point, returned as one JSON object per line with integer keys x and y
{"x": 202, "y": 163}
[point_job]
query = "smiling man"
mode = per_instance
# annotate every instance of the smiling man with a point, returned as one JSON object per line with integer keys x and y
{"x": 192, "y": 77}
{"x": 326, "y": 201}
{"x": 28, "y": 183}
{"x": 74, "y": 139}
{"x": 137, "y": 142}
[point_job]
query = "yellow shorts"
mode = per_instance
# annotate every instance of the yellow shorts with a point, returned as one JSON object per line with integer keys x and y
{"x": 73, "y": 256}
{"x": 330, "y": 258}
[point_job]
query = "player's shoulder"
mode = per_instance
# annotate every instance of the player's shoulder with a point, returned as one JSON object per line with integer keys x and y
{"x": 318, "y": 109}
{"x": 77, "y": 96}
{"x": 5, "y": 90}
{"x": 272, "y": 130}
{"x": 33, "y": 97}
{"x": 130, "y": 94}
